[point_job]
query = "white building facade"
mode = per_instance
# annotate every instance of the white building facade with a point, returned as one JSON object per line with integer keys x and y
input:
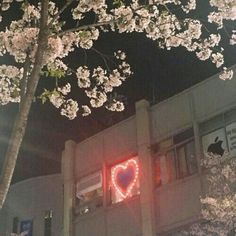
{"x": 142, "y": 177}
{"x": 34, "y": 205}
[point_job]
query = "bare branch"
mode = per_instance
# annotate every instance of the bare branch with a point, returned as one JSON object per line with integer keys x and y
{"x": 84, "y": 27}
{"x": 103, "y": 58}
{"x": 60, "y": 12}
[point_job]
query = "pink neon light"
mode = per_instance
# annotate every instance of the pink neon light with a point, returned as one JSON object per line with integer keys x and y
{"x": 115, "y": 170}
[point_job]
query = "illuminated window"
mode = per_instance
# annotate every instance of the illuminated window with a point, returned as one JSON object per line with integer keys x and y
{"x": 48, "y": 223}
{"x": 124, "y": 180}
{"x": 89, "y": 193}
{"x": 175, "y": 158}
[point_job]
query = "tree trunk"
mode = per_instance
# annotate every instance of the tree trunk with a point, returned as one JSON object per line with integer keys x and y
{"x": 22, "y": 117}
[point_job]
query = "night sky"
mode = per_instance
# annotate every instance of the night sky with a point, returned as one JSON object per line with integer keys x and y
{"x": 158, "y": 74}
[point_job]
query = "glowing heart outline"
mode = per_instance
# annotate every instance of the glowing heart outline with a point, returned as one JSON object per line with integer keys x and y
{"x": 124, "y": 166}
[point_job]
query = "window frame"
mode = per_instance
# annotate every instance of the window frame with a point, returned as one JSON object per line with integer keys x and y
{"x": 173, "y": 147}
{"x": 48, "y": 216}
{"x": 95, "y": 202}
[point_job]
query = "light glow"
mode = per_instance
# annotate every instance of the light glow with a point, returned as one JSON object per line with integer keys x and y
{"x": 122, "y": 168}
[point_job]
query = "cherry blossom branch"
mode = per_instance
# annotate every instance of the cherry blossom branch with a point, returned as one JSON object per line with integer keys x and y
{"x": 103, "y": 58}
{"x": 226, "y": 31}
{"x": 60, "y": 12}
{"x": 85, "y": 57}
{"x": 84, "y": 27}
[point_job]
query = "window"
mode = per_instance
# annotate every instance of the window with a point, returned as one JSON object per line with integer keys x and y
{"x": 48, "y": 223}
{"x": 219, "y": 134}
{"x": 26, "y": 227}
{"x": 15, "y": 224}
{"x": 89, "y": 193}
{"x": 124, "y": 180}
{"x": 176, "y": 158}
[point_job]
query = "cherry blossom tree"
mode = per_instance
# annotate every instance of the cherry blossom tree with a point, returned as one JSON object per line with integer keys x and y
{"x": 39, "y": 41}
{"x": 219, "y": 203}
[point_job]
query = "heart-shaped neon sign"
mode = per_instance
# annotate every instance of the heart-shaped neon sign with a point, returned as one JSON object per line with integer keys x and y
{"x": 124, "y": 177}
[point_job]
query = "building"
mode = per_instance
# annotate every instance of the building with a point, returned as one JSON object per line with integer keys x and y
{"x": 142, "y": 176}
{"x": 35, "y": 205}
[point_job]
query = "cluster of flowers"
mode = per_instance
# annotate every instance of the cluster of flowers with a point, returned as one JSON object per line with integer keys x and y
{"x": 20, "y": 41}
{"x": 68, "y": 107}
{"x": 155, "y": 19}
{"x": 97, "y": 83}
{"x": 165, "y": 27}
{"x": 218, "y": 207}
{"x": 9, "y": 84}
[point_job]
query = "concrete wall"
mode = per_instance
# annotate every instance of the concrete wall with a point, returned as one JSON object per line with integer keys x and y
{"x": 209, "y": 98}
{"x": 170, "y": 116}
{"x": 109, "y": 146}
{"x": 29, "y": 199}
{"x": 177, "y": 203}
{"x": 120, "y": 219}
{"x": 3, "y": 221}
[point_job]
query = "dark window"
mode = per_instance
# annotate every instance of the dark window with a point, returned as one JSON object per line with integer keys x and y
{"x": 15, "y": 225}
{"x": 48, "y": 223}
{"x": 177, "y": 159}
{"x": 181, "y": 137}
{"x": 187, "y": 164}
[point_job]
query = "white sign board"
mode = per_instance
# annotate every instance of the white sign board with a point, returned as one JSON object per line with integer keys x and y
{"x": 231, "y": 138}
{"x": 215, "y": 142}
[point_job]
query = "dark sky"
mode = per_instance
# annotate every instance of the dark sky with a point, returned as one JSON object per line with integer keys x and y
{"x": 158, "y": 74}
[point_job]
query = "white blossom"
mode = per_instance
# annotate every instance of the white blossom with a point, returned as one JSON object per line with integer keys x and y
{"x": 226, "y": 74}
{"x": 233, "y": 38}
{"x": 218, "y": 206}
{"x": 86, "y": 110}
{"x": 70, "y": 109}
{"x": 56, "y": 99}
{"x": 83, "y": 77}
{"x": 116, "y": 106}
{"x": 65, "y": 89}
{"x": 218, "y": 59}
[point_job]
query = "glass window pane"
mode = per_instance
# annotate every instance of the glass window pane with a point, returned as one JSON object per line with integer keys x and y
{"x": 191, "y": 157}
{"x": 230, "y": 116}
{"x": 212, "y": 124}
{"x": 185, "y": 135}
{"x": 231, "y": 138}
{"x": 89, "y": 193}
{"x": 157, "y": 172}
{"x": 48, "y": 223}
{"x": 15, "y": 225}
{"x": 182, "y": 163}
{"x": 171, "y": 166}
